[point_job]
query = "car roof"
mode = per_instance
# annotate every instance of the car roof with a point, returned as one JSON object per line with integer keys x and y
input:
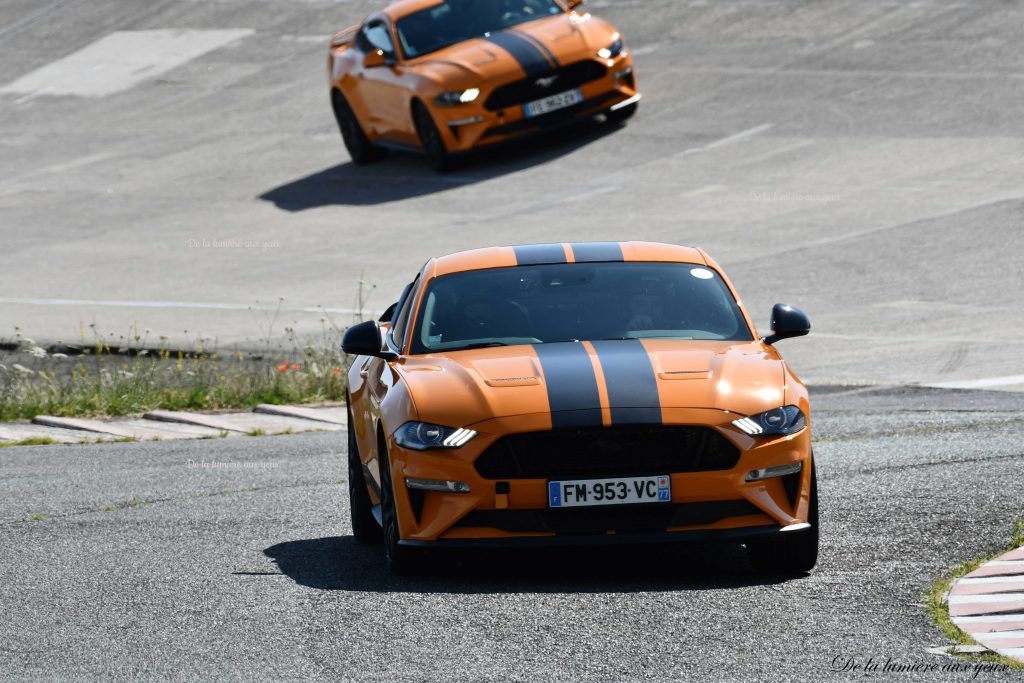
{"x": 563, "y": 252}
{"x": 401, "y": 8}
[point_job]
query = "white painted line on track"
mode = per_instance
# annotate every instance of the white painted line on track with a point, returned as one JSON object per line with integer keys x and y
{"x": 121, "y": 60}
{"x": 1008, "y": 380}
{"x": 180, "y": 304}
{"x": 707, "y": 189}
{"x": 731, "y": 139}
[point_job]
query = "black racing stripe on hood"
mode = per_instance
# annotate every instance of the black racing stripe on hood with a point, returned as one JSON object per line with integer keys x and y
{"x": 529, "y": 56}
{"x": 540, "y": 45}
{"x": 585, "y": 252}
{"x": 571, "y": 383}
{"x": 533, "y": 254}
{"x": 630, "y": 381}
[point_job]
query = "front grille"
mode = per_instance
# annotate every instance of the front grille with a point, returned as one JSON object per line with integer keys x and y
{"x": 618, "y": 518}
{"x": 551, "y": 119}
{"x": 527, "y": 90}
{"x": 594, "y": 452}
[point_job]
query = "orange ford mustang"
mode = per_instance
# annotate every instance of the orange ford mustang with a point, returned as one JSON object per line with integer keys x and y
{"x": 448, "y": 76}
{"x": 578, "y": 393}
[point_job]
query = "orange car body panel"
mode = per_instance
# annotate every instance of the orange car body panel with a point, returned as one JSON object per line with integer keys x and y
{"x": 382, "y": 96}
{"x": 501, "y": 391}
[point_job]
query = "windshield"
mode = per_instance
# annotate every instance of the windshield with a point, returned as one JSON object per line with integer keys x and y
{"x": 454, "y": 21}
{"x": 576, "y": 302}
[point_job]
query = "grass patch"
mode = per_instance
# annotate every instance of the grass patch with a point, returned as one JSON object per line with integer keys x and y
{"x": 31, "y": 441}
{"x": 130, "y": 374}
{"x": 938, "y": 609}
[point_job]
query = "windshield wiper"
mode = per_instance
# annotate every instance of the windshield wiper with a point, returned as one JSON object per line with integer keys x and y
{"x": 479, "y": 345}
{"x": 561, "y": 341}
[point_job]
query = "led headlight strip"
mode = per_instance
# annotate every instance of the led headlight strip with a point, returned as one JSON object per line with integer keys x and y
{"x": 459, "y": 437}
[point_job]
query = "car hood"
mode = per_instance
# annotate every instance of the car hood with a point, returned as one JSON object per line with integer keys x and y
{"x": 632, "y": 378}
{"x": 569, "y": 38}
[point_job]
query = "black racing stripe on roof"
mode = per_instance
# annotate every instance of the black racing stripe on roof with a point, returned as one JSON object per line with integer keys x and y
{"x": 529, "y": 56}
{"x": 585, "y": 252}
{"x": 630, "y": 381}
{"x": 571, "y": 383}
{"x": 544, "y": 48}
{"x": 533, "y": 254}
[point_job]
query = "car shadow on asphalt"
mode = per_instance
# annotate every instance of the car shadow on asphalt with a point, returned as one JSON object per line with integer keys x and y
{"x": 404, "y": 175}
{"x": 341, "y": 563}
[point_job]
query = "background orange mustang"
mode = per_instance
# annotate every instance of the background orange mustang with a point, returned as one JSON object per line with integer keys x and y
{"x": 449, "y": 76}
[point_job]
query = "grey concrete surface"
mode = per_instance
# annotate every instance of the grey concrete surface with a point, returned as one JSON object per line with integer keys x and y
{"x": 233, "y": 560}
{"x": 860, "y": 159}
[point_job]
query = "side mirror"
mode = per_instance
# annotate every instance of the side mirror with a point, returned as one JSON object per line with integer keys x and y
{"x": 374, "y": 58}
{"x": 378, "y": 58}
{"x": 573, "y": 4}
{"x": 365, "y": 339}
{"x": 787, "y": 322}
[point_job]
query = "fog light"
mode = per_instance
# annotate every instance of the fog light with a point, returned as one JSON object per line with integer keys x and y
{"x": 437, "y": 485}
{"x": 778, "y": 471}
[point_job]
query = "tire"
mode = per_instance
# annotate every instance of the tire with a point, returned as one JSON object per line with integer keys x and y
{"x": 402, "y": 561}
{"x": 622, "y": 115}
{"x": 364, "y": 524}
{"x": 430, "y": 139}
{"x": 791, "y": 554}
{"x": 358, "y": 145}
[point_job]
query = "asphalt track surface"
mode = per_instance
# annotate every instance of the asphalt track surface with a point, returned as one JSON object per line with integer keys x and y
{"x": 253, "y": 574}
{"x": 859, "y": 159}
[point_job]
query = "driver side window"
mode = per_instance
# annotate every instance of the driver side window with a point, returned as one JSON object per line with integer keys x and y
{"x": 376, "y": 36}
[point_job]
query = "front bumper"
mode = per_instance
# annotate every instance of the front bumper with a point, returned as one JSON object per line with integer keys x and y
{"x": 737, "y": 535}
{"x": 468, "y": 127}
{"x": 711, "y": 503}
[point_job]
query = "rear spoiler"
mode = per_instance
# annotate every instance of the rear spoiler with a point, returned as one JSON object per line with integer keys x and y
{"x": 346, "y": 36}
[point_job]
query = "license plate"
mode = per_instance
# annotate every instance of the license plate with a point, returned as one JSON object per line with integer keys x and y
{"x": 614, "y": 491}
{"x": 553, "y": 103}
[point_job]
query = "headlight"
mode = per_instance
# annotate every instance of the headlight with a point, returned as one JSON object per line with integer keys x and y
{"x": 451, "y": 99}
{"x": 419, "y": 436}
{"x": 781, "y": 421}
{"x": 613, "y": 50}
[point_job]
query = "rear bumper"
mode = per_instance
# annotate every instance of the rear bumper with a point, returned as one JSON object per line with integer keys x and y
{"x": 738, "y": 535}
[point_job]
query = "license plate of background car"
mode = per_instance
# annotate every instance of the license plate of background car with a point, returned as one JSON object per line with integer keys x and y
{"x": 612, "y": 491}
{"x": 553, "y": 103}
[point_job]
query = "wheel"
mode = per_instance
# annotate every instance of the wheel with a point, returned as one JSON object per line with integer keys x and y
{"x": 401, "y": 559}
{"x": 790, "y": 554}
{"x": 364, "y": 524}
{"x": 358, "y": 145}
{"x": 430, "y": 139}
{"x": 620, "y": 116}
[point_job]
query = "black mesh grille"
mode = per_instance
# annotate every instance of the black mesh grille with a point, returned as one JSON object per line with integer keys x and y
{"x": 618, "y": 518}
{"x": 527, "y": 90}
{"x": 627, "y": 451}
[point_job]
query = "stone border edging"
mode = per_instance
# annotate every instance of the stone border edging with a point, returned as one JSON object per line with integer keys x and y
{"x": 988, "y": 604}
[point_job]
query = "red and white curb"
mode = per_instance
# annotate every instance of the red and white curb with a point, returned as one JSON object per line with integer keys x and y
{"x": 988, "y": 604}
{"x": 164, "y": 424}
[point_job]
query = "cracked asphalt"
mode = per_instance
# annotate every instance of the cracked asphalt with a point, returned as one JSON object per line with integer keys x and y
{"x": 140, "y": 565}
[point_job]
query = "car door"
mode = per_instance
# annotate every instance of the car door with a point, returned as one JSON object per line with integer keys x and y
{"x": 381, "y": 88}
